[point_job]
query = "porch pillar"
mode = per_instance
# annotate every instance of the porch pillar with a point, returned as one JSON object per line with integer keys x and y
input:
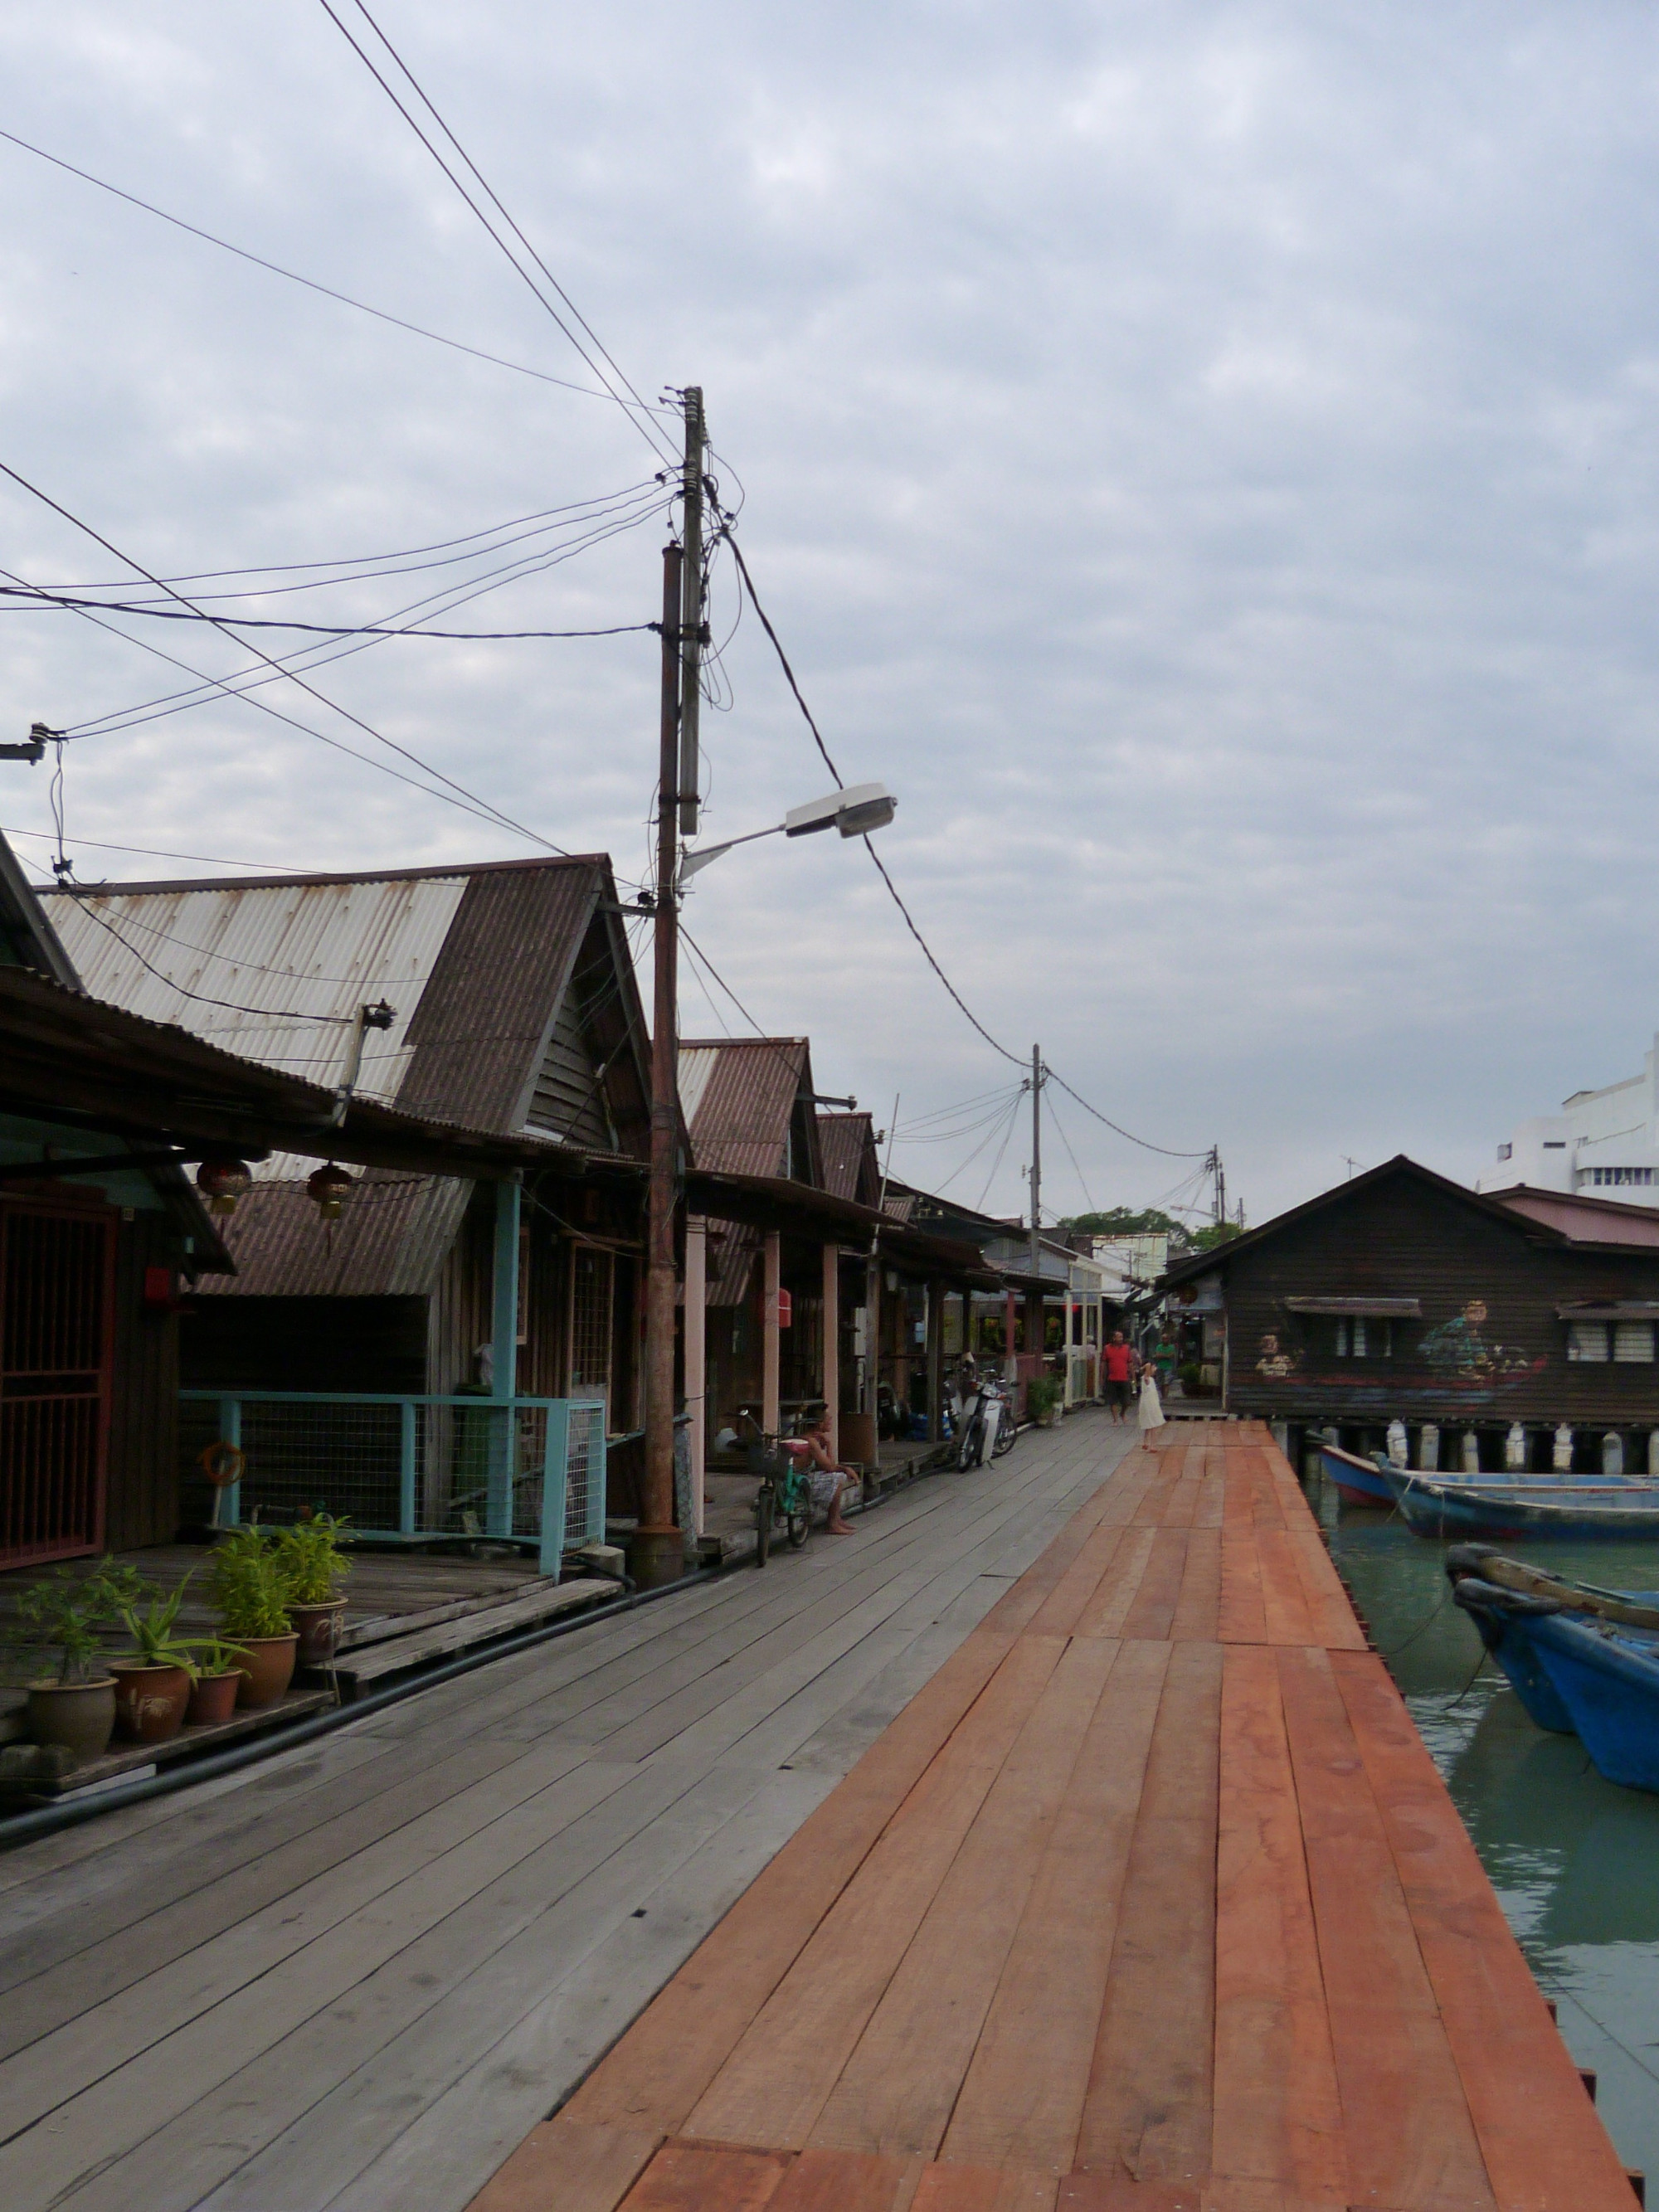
{"x": 1034, "y": 1321}
{"x": 771, "y": 1284}
{"x": 935, "y": 1361}
{"x": 1010, "y": 1339}
{"x": 504, "y": 1357}
{"x": 873, "y": 1337}
{"x": 697, "y": 1357}
{"x": 1066, "y": 1333}
{"x": 832, "y": 1344}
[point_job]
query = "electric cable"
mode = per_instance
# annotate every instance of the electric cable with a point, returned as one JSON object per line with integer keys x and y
{"x": 231, "y": 1005}
{"x": 996, "y": 1162}
{"x": 964, "y": 1165}
{"x": 686, "y": 938}
{"x": 154, "y": 853}
{"x": 519, "y": 367}
{"x": 1072, "y": 1156}
{"x": 27, "y": 596}
{"x": 636, "y": 410}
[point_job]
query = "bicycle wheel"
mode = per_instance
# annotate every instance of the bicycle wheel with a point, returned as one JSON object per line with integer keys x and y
{"x": 763, "y": 1526}
{"x": 797, "y": 1526}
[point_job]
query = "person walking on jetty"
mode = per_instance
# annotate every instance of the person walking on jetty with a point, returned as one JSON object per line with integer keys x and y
{"x": 1151, "y": 1406}
{"x": 1118, "y": 1361}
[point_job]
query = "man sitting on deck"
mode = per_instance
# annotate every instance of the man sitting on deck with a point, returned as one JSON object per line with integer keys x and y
{"x": 828, "y": 1477}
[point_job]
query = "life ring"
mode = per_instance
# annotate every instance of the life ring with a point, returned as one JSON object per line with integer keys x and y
{"x": 222, "y": 1464}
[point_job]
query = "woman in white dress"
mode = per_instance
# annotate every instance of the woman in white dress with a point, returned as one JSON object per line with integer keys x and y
{"x": 1151, "y": 1406}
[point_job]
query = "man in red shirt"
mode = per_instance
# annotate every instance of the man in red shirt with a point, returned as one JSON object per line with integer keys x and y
{"x": 1117, "y": 1360}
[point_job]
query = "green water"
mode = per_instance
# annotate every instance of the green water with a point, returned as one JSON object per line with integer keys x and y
{"x": 1574, "y": 1861}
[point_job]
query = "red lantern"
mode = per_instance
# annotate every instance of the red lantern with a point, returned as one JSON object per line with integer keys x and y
{"x": 329, "y": 1188}
{"x": 221, "y": 1182}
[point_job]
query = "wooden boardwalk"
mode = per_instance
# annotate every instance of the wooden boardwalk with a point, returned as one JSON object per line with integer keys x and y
{"x": 1151, "y": 1900}
{"x": 356, "y": 1975}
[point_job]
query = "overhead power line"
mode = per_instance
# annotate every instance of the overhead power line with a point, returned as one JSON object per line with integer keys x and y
{"x": 1017, "y": 1059}
{"x": 593, "y": 350}
{"x": 152, "y": 852}
{"x": 456, "y": 345}
{"x": 29, "y": 595}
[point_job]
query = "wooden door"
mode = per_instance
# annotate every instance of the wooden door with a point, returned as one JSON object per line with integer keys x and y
{"x": 57, "y": 1282}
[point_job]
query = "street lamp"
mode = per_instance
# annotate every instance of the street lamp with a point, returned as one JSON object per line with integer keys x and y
{"x": 856, "y": 810}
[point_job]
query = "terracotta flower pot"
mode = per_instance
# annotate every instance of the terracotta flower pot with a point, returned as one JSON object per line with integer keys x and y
{"x": 214, "y": 1697}
{"x": 268, "y": 1670}
{"x": 150, "y": 1701}
{"x": 80, "y": 1716}
{"x": 319, "y": 1630}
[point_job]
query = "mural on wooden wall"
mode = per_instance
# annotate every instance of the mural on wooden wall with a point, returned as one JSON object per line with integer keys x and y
{"x": 1458, "y": 1362}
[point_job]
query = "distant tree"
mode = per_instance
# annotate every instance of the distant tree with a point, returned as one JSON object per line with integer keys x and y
{"x": 1218, "y": 1232}
{"x": 1125, "y": 1221}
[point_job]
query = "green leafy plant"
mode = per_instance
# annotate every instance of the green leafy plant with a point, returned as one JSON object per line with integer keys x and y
{"x": 1043, "y": 1394}
{"x": 249, "y": 1585}
{"x": 219, "y": 1658}
{"x": 155, "y": 1644}
{"x": 68, "y": 1609}
{"x": 312, "y": 1558}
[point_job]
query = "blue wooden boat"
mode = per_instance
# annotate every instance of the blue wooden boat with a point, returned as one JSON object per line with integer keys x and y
{"x": 1583, "y": 1660}
{"x": 1538, "y": 1505}
{"x": 1355, "y": 1478}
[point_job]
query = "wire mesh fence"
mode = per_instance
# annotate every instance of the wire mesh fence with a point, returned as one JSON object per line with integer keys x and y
{"x": 526, "y": 1469}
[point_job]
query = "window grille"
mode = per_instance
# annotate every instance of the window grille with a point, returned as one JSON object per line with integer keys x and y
{"x": 590, "y": 1319}
{"x": 55, "y": 1297}
{"x": 1632, "y": 1341}
{"x": 1587, "y": 1341}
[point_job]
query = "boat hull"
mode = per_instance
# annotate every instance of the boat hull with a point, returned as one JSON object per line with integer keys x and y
{"x": 1355, "y": 1480}
{"x": 1608, "y": 1683}
{"x": 1431, "y": 1506}
{"x": 1504, "y": 1621}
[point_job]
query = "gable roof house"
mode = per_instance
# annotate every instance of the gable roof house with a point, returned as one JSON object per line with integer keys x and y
{"x": 1401, "y": 1295}
{"x": 498, "y": 999}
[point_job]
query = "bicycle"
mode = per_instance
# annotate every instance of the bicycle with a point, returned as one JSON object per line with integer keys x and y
{"x": 784, "y": 1494}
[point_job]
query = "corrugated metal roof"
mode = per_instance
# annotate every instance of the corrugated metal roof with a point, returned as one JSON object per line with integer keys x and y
{"x": 737, "y": 1095}
{"x": 474, "y": 960}
{"x": 390, "y": 1241}
{"x": 848, "y": 1142}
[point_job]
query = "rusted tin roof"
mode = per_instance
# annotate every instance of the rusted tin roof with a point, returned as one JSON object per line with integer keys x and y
{"x": 390, "y": 1241}
{"x": 740, "y": 1096}
{"x": 848, "y": 1143}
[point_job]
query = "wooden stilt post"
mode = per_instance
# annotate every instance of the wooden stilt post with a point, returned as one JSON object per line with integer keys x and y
{"x": 771, "y": 1284}
{"x": 696, "y": 1356}
{"x": 832, "y": 1344}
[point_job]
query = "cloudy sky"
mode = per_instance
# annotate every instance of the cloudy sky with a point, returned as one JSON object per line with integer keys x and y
{"x": 1203, "y": 457}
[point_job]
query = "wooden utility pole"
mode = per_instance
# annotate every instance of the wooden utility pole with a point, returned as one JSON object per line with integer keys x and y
{"x": 659, "y": 1546}
{"x": 1036, "y": 1156}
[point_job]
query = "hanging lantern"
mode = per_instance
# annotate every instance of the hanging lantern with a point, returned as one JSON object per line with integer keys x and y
{"x": 221, "y": 1182}
{"x": 329, "y": 1188}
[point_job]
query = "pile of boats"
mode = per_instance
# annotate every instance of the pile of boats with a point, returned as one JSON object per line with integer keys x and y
{"x": 1583, "y": 1660}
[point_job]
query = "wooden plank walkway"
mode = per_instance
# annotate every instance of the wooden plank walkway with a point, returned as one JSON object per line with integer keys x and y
{"x": 356, "y": 1975}
{"x": 1150, "y": 1900}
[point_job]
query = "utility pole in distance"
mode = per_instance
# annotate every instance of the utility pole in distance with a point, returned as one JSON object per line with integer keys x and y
{"x": 659, "y": 1546}
{"x": 1036, "y": 1155}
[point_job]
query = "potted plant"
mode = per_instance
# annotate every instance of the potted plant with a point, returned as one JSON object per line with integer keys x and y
{"x": 251, "y": 1591}
{"x": 153, "y": 1687}
{"x": 218, "y": 1679}
{"x": 312, "y": 1561}
{"x": 1042, "y": 1397}
{"x": 66, "y": 1611}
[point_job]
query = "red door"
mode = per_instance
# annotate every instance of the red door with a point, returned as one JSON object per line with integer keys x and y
{"x": 56, "y": 1271}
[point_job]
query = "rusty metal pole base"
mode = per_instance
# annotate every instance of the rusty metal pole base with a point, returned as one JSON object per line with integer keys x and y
{"x": 656, "y": 1556}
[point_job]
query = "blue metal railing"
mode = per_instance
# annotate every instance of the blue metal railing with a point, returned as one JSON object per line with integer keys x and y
{"x": 409, "y": 1469}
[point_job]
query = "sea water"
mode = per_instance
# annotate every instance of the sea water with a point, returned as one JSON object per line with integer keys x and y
{"x": 1575, "y": 1859}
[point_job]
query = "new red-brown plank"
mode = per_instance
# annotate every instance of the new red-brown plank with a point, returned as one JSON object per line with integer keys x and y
{"x": 659, "y": 2069}
{"x": 1022, "y": 2101}
{"x": 897, "y": 2089}
{"x": 1409, "y": 2137}
{"x": 1015, "y": 1608}
{"x": 847, "y": 2181}
{"x": 1278, "y": 2115}
{"x": 984, "y": 2188}
{"x": 1284, "y": 1601}
{"x": 1058, "y": 1613}
{"x": 1335, "y": 1622}
{"x": 773, "y": 2087}
{"x": 1146, "y": 2115}
{"x": 1241, "y": 1614}
{"x": 1545, "y": 2148}
{"x": 560, "y": 2167}
{"x": 1198, "y": 1612}
{"x": 1153, "y": 1615}
{"x": 704, "y": 2177}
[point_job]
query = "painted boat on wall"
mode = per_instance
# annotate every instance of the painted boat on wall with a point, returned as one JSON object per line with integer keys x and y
{"x": 1436, "y": 1506}
{"x": 1583, "y": 1660}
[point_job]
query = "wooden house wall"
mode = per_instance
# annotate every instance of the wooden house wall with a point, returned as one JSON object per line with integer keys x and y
{"x": 1404, "y": 1239}
{"x": 569, "y": 1099}
{"x": 142, "y": 1490}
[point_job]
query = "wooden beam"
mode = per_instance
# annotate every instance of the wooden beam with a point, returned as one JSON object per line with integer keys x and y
{"x": 771, "y": 1284}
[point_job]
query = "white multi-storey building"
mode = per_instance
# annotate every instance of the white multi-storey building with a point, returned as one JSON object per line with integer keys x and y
{"x": 1605, "y": 1143}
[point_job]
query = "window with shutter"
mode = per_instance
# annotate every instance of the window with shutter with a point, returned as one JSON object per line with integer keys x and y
{"x": 1587, "y": 1341}
{"x": 1633, "y": 1340}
